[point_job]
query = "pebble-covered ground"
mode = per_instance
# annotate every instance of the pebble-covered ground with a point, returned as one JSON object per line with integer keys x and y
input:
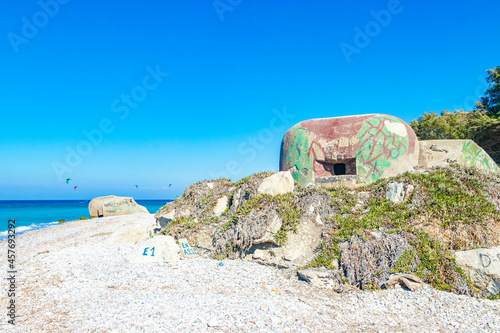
{"x": 68, "y": 281}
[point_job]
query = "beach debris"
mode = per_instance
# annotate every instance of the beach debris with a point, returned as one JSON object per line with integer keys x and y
{"x": 67, "y": 180}
{"x": 221, "y": 264}
{"x": 410, "y": 281}
{"x": 275, "y": 290}
{"x": 186, "y": 250}
{"x": 74, "y": 188}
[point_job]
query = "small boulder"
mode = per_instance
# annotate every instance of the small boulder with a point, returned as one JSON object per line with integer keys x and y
{"x": 157, "y": 249}
{"x": 280, "y": 183}
{"x": 483, "y": 268}
{"x": 410, "y": 281}
{"x": 112, "y": 205}
{"x": 186, "y": 250}
{"x": 395, "y": 192}
{"x": 260, "y": 254}
{"x": 319, "y": 278}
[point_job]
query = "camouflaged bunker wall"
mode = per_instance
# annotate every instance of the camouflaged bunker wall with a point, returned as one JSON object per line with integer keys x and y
{"x": 360, "y": 148}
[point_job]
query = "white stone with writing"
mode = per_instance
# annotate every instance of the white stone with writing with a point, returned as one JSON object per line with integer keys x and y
{"x": 186, "y": 250}
{"x": 483, "y": 268}
{"x": 156, "y": 249}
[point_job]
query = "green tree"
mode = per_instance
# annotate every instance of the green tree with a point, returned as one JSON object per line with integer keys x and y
{"x": 450, "y": 125}
{"x": 490, "y": 102}
{"x": 474, "y": 125}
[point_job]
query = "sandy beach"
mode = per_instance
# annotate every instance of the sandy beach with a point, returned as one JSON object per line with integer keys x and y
{"x": 69, "y": 281}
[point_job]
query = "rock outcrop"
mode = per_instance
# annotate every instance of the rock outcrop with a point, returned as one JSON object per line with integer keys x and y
{"x": 112, "y": 205}
{"x": 401, "y": 230}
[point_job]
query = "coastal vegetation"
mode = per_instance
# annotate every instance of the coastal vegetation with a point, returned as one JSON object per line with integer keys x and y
{"x": 447, "y": 209}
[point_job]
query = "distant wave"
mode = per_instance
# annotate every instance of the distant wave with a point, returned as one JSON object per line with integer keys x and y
{"x": 23, "y": 229}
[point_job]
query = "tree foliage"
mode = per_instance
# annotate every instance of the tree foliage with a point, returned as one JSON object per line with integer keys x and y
{"x": 450, "y": 125}
{"x": 479, "y": 125}
{"x": 490, "y": 102}
{"x": 474, "y": 125}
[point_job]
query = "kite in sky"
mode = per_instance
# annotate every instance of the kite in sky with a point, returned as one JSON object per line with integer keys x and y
{"x": 169, "y": 185}
{"x": 74, "y": 188}
{"x": 136, "y": 186}
{"x": 67, "y": 180}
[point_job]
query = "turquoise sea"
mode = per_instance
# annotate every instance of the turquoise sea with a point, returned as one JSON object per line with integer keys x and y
{"x": 37, "y": 214}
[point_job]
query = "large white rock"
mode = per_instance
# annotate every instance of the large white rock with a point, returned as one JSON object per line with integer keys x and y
{"x": 157, "y": 249}
{"x": 483, "y": 268}
{"x": 112, "y": 205}
{"x": 279, "y": 183}
{"x": 221, "y": 206}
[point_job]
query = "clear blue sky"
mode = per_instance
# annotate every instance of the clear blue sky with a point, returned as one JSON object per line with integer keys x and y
{"x": 240, "y": 73}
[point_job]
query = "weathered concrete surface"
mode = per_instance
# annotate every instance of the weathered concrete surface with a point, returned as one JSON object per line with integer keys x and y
{"x": 464, "y": 152}
{"x": 112, "y": 205}
{"x": 483, "y": 268}
{"x": 157, "y": 249}
{"x": 369, "y": 146}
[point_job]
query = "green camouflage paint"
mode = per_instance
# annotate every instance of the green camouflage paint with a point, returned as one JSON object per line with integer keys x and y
{"x": 378, "y": 147}
{"x": 475, "y": 156}
{"x": 298, "y": 155}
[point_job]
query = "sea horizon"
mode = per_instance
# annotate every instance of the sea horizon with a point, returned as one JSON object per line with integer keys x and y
{"x": 37, "y": 214}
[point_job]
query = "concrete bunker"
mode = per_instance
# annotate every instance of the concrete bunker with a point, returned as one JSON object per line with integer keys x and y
{"x": 356, "y": 148}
